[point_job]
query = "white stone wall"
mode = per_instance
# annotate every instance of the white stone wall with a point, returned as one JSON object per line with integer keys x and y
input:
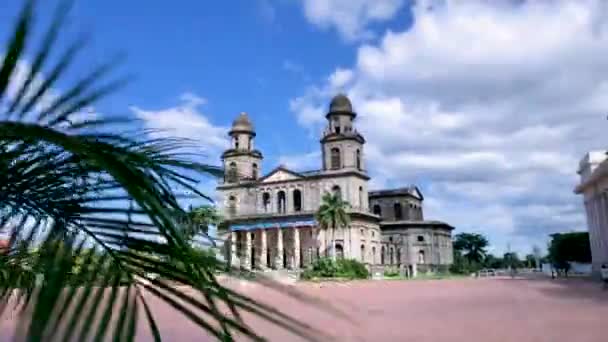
{"x": 595, "y": 198}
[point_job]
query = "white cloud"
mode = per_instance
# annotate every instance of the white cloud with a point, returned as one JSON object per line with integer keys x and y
{"x": 302, "y": 162}
{"x": 186, "y": 121}
{"x": 488, "y": 105}
{"x": 350, "y": 18}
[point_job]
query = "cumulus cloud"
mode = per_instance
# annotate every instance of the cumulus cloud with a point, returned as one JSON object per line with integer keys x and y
{"x": 489, "y": 105}
{"x": 186, "y": 121}
{"x": 350, "y": 18}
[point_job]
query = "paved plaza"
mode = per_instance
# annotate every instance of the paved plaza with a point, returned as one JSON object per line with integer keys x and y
{"x": 422, "y": 310}
{"x": 439, "y": 310}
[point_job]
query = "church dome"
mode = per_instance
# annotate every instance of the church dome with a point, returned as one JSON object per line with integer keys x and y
{"x": 242, "y": 123}
{"x": 340, "y": 103}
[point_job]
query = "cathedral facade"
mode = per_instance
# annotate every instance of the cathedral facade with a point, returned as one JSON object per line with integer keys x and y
{"x": 270, "y": 219}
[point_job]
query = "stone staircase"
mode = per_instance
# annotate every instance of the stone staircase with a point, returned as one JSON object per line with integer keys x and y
{"x": 282, "y": 276}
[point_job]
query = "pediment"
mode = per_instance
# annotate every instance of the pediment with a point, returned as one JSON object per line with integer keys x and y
{"x": 280, "y": 174}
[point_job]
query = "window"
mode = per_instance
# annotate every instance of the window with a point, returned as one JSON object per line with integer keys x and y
{"x": 233, "y": 172}
{"x": 249, "y": 141}
{"x": 236, "y": 143}
{"x": 373, "y": 234}
{"x": 266, "y": 202}
{"x": 362, "y": 253}
{"x": 382, "y": 251}
{"x": 336, "y": 191}
{"x": 362, "y": 232}
{"x": 374, "y": 255}
{"x": 358, "y": 159}
{"x": 254, "y": 171}
{"x": 297, "y": 200}
{"x": 421, "y": 257}
{"x": 390, "y": 239}
{"x": 391, "y": 255}
{"x": 398, "y": 211}
{"x": 361, "y": 199}
{"x": 336, "y": 126}
{"x": 232, "y": 205}
{"x": 335, "y": 158}
{"x": 377, "y": 210}
{"x": 398, "y": 255}
{"x": 281, "y": 202}
{"x": 420, "y": 238}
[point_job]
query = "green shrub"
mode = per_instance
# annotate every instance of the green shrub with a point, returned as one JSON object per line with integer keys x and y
{"x": 391, "y": 272}
{"x": 343, "y": 268}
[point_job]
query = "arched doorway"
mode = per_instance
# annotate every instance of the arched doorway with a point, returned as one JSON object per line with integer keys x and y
{"x": 339, "y": 251}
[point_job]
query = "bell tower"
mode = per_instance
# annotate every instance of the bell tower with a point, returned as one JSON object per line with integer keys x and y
{"x": 242, "y": 162}
{"x": 341, "y": 144}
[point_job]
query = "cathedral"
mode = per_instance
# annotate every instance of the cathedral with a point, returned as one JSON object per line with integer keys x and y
{"x": 270, "y": 219}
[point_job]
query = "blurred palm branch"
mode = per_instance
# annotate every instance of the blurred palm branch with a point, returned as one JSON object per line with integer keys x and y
{"x": 80, "y": 258}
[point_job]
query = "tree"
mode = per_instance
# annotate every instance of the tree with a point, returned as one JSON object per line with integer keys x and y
{"x": 67, "y": 179}
{"x": 569, "y": 247}
{"x": 492, "y": 261}
{"x": 531, "y": 261}
{"x": 472, "y": 246}
{"x": 331, "y": 215}
{"x": 198, "y": 220}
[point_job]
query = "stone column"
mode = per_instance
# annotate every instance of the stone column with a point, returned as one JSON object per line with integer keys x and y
{"x": 233, "y": 252}
{"x": 296, "y": 248}
{"x": 264, "y": 250}
{"x": 279, "y": 256}
{"x": 247, "y": 254}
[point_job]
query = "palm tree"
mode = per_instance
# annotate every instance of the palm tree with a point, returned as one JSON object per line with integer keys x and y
{"x": 331, "y": 215}
{"x": 198, "y": 219}
{"x": 70, "y": 180}
{"x": 472, "y": 245}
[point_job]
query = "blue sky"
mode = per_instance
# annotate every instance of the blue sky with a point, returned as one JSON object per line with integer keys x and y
{"x": 486, "y": 105}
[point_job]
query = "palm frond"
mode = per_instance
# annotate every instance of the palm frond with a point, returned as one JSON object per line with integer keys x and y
{"x": 80, "y": 258}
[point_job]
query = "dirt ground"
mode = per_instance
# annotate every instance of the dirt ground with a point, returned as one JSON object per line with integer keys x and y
{"x": 423, "y": 310}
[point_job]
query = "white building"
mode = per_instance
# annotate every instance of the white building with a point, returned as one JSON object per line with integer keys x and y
{"x": 593, "y": 170}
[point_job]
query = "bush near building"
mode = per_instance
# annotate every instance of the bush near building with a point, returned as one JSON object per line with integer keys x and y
{"x": 341, "y": 268}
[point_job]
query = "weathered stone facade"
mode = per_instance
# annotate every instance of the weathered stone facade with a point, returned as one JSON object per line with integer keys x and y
{"x": 271, "y": 218}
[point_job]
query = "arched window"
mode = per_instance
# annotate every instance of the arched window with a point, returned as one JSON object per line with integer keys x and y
{"x": 281, "y": 202}
{"x": 335, "y": 158}
{"x": 297, "y": 200}
{"x": 421, "y": 257}
{"x": 361, "y": 198}
{"x": 358, "y": 159}
{"x": 382, "y": 251}
{"x": 373, "y": 255}
{"x": 362, "y": 253}
{"x": 266, "y": 202}
{"x": 336, "y": 191}
{"x": 254, "y": 171}
{"x": 398, "y": 256}
{"x": 377, "y": 210}
{"x": 339, "y": 251}
{"x": 249, "y": 141}
{"x": 236, "y": 143}
{"x": 336, "y": 125}
{"x": 233, "y": 172}
{"x": 232, "y": 205}
{"x": 391, "y": 255}
{"x": 398, "y": 211}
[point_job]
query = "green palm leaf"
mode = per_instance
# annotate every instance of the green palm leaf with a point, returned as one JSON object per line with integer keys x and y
{"x": 80, "y": 258}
